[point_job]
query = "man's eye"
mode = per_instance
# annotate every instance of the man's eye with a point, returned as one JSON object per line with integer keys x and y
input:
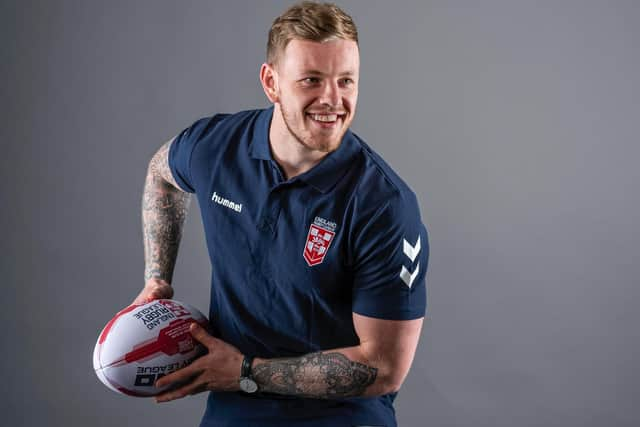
{"x": 311, "y": 80}
{"x": 347, "y": 81}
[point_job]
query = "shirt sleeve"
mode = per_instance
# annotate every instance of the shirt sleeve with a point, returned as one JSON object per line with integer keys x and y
{"x": 391, "y": 262}
{"x": 182, "y": 150}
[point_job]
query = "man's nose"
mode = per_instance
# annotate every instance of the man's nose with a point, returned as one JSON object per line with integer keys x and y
{"x": 330, "y": 93}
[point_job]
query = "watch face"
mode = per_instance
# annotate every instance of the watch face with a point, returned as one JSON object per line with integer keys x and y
{"x": 248, "y": 385}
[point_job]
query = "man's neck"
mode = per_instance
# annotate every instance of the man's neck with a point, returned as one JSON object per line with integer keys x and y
{"x": 293, "y": 158}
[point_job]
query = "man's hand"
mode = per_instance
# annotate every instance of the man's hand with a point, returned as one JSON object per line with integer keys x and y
{"x": 219, "y": 370}
{"x": 154, "y": 289}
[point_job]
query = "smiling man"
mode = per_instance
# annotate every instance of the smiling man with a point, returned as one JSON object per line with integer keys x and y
{"x": 317, "y": 248}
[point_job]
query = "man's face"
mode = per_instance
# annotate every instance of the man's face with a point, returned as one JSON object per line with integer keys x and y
{"x": 318, "y": 90}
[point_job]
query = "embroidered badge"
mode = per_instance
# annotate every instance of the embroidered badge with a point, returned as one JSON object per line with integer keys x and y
{"x": 319, "y": 238}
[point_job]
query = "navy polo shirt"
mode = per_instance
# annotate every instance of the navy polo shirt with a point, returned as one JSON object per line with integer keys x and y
{"x": 293, "y": 259}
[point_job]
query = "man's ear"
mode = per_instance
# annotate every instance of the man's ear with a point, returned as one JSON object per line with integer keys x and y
{"x": 269, "y": 80}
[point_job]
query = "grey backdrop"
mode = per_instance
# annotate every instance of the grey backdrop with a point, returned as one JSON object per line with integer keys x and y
{"x": 515, "y": 122}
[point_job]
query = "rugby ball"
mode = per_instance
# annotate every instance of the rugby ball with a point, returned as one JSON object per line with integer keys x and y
{"x": 145, "y": 342}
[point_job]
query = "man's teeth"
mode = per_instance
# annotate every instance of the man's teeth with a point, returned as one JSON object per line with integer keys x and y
{"x": 324, "y": 117}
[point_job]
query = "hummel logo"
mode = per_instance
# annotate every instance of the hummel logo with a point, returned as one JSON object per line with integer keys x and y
{"x": 226, "y": 203}
{"x": 411, "y": 251}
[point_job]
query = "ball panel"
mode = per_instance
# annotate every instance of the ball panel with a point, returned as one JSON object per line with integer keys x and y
{"x": 105, "y": 380}
{"x": 107, "y": 328}
{"x": 174, "y": 338}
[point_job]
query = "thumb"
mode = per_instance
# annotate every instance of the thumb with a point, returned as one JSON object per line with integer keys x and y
{"x": 202, "y": 336}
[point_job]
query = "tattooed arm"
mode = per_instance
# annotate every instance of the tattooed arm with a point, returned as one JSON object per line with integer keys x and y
{"x": 377, "y": 366}
{"x": 164, "y": 208}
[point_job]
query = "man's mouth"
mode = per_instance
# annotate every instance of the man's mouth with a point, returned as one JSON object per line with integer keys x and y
{"x": 324, "y": 118}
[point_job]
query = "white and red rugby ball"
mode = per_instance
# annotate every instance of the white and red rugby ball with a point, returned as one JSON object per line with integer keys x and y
{"x": 145, "y": 342}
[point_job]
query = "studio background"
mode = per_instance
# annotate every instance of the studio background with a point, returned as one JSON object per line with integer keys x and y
{"x": 515, "y": 122}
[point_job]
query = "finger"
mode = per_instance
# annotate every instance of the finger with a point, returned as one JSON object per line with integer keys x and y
{"x": 151, "y": 294}
{"x": 146, "y": 300}
{"x": 152, "y": 297}
{"x": 141, "y": 299}
{"x": 183, "y": 374}
{"x": 161, "y": 293}
{"x": 193, "y": 387}
{"x": 201, "y": 335}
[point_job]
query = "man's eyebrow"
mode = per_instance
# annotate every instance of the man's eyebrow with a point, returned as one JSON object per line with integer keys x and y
{"x": 312, "y": 72}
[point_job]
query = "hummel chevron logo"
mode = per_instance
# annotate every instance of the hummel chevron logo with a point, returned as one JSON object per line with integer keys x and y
{"x": 407, "y": 277}
{"x": 411, "y": 251}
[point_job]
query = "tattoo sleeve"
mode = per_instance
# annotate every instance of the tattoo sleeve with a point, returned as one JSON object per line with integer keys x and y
{"x": 164, "y": 208}
{"x": 315, "y": 375}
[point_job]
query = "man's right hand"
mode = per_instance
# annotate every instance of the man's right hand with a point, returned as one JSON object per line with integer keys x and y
{"x": 154, "y": 289}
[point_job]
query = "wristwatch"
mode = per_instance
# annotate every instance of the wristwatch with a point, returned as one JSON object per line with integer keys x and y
{"x": 247, "y": 384}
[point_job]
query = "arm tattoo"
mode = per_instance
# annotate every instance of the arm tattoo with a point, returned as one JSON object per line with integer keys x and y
{"x": 315, "y": 375}
{"x": 164, "y": 209}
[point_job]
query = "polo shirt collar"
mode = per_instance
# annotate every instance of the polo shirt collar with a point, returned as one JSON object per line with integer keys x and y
{"x": 333, "y": 166}
{"x": 259, "y": 148}
{"x": 322, "y": 176}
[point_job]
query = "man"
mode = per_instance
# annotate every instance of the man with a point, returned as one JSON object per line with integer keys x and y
{"x": 317, "y": 248}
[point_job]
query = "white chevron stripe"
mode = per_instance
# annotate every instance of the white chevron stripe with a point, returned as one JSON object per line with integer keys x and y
{"x": 411, "y": 251}
{"x": 408, "y": 277}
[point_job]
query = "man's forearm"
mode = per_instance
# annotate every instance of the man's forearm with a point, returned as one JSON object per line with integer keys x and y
{"x": 164, "y": 209}
{"x": 328, "y": 375}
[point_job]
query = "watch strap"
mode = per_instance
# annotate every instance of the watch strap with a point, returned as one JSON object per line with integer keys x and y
{"x": 245, "y": 371}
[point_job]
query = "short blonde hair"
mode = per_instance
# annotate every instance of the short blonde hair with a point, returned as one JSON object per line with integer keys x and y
{"x": 309, "y": 21}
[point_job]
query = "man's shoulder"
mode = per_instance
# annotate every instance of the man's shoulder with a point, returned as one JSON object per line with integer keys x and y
{"x": 210, "y": 125}
{"x": 379, "y": 182}
{"x": 383, "y": 205}
{"x": 211, "y": 136}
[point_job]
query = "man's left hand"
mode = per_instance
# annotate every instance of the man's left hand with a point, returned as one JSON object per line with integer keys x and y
{"x": 218, "y": 370}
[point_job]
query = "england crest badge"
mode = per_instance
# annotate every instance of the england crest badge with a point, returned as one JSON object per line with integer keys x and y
{"x": 319, "y": 238}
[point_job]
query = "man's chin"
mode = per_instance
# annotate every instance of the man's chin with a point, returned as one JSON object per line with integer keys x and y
{"x": 328, "y": 137}
{"x": 326, "y": 145}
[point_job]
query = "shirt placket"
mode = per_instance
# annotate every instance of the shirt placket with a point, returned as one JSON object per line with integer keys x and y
{"x": 270, "y": 213}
